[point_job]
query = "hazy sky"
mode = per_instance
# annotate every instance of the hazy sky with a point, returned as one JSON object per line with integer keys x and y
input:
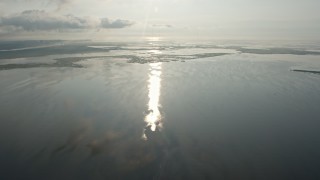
{"x": 238, "y": 19}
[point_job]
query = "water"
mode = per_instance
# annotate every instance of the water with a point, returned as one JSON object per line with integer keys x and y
{"x": 159, "y": 111}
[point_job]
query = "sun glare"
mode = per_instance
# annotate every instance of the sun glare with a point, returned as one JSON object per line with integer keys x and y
{"x": 153, "y": 118}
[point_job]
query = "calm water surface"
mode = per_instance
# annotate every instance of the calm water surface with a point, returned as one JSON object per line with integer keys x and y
{"x": 239, "y": 116}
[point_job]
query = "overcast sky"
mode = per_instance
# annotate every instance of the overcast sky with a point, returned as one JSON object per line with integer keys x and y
{"x": 238, "y": 19}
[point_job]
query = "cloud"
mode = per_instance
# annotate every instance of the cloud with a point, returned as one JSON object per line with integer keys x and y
{"x": 37, "y": 20}
{"x": 162, "y": 25}
{"x": 105, "y": 23}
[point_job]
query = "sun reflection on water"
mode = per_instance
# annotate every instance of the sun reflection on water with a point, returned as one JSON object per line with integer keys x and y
{"x": 154, "y": 39}
{"x": 153, "y": 117}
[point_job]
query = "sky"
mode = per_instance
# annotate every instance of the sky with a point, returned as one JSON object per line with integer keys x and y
{"x": 213, "y": 19}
